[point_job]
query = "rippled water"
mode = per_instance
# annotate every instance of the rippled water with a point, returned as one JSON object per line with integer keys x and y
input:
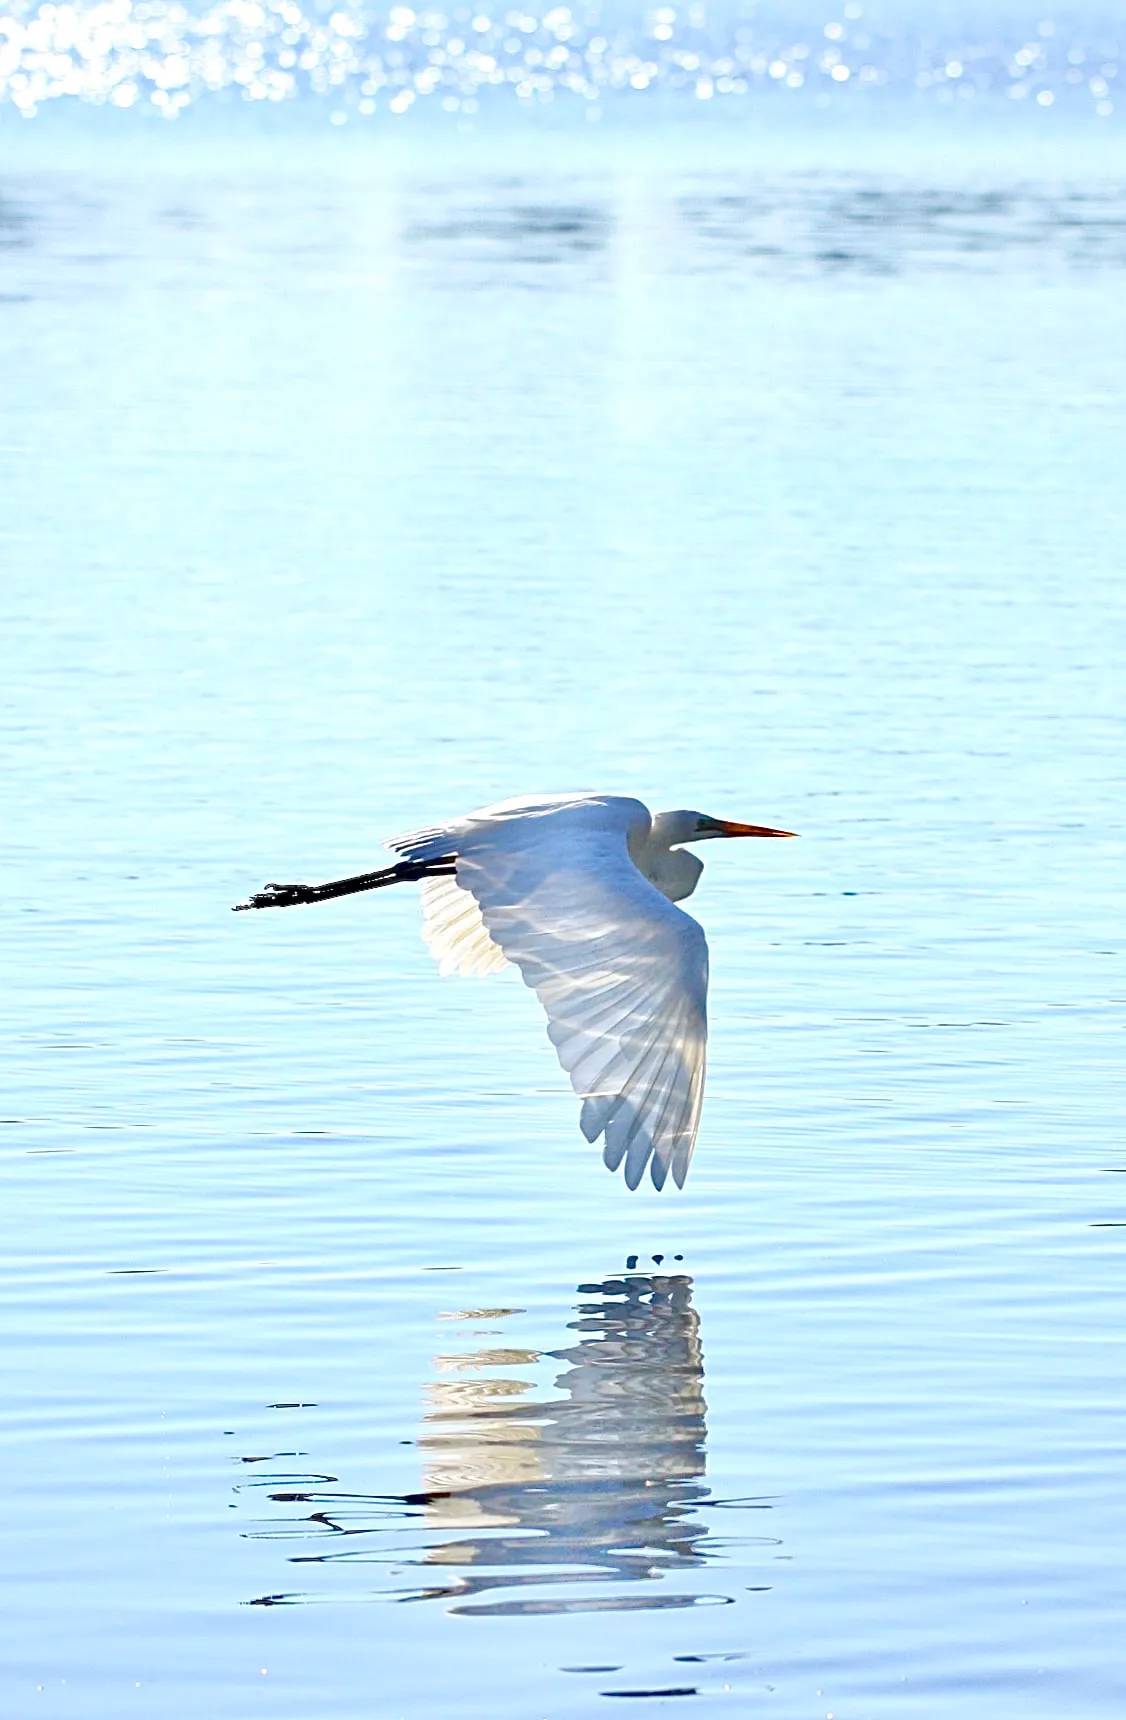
{"x": 340, "y": 1378}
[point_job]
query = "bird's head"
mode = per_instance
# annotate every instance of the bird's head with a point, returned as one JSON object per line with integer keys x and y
{"x": 670, "y": 829}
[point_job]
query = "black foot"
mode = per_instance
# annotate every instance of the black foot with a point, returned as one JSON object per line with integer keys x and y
{"x": 280, "y": 896}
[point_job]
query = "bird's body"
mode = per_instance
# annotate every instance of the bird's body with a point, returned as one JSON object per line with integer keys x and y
{"x": 578, "y": 892}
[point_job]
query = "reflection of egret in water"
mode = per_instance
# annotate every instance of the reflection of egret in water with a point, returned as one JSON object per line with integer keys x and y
{"x": 596, "y": 1484}
{"x": 599, "y": 1485}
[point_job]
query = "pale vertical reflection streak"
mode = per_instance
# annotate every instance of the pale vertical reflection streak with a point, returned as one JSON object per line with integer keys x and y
{"x": 639, "y": 298}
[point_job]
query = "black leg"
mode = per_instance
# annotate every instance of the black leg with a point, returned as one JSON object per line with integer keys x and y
{"x": 297, "y": 895}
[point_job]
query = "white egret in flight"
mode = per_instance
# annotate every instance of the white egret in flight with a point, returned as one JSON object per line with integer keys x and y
{"x": 577, "y": 892}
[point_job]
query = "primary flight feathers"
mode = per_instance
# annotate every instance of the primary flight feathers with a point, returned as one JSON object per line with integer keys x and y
{"x": 578, "y": 893}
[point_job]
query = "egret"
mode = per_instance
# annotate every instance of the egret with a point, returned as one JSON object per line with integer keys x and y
{"x": 577, "y": 891}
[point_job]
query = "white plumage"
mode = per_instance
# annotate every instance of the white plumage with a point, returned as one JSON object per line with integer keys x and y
{"x": 558, "y": 887}
{"x": 578, "y": 892}
{"x": 453, "y": 928}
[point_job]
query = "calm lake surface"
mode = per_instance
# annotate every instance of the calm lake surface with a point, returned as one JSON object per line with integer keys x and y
{"x": 343, "y": 493}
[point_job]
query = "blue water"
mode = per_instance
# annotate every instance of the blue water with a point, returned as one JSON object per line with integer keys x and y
{"x": 346, "y": 490}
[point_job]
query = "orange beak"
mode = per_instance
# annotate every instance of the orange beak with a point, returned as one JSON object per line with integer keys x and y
{"x": 726, "y": 828}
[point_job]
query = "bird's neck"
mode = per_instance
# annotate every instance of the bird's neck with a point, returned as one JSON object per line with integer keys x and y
{"x": 674, "y": 871}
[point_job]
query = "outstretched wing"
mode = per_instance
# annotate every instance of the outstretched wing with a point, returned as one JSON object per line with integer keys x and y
{"x": 621, "y": 972}
{"x": 453, "y": 928}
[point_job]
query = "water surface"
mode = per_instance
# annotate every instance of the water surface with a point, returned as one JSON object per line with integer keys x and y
{"x": 341, "y": 1379}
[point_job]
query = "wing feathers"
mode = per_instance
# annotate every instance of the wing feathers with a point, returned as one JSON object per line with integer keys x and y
{"x": 453, "y": 928}
{"x": 640, "y": 1124}
{"x": 622, "y": 975}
